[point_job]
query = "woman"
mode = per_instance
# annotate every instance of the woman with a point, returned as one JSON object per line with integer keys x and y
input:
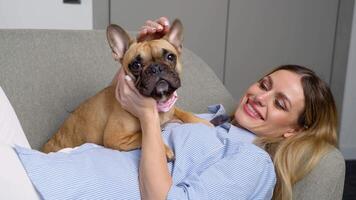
{"x": 291, "y": 110}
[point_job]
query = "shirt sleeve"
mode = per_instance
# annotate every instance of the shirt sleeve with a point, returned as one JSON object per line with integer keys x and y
{"x": 245, "y": 175}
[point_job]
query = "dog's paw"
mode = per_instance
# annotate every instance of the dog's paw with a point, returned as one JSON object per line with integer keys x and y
{"x": 171, "y": 158}
{"x": 170, "y": 155}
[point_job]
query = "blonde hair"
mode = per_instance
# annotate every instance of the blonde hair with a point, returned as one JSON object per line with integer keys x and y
{"x": 294, "y": 157}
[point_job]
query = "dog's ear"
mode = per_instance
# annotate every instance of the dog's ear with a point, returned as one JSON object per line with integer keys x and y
{"x": 118, "y": 40}
{"x": 175, "y": 35}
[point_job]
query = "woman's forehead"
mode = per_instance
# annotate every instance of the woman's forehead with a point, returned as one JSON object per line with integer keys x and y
{"x": 288, "y": 83}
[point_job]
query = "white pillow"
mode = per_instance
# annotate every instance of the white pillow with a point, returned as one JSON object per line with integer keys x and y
{"x": 14, "y": 182}
{"x": 11, "y": 132}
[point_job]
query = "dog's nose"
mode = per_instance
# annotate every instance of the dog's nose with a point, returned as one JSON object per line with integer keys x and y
{"x": 156, "y": 68}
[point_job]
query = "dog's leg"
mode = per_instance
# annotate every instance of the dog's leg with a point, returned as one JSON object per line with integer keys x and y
{"x": 120, "y": 136}
{"x": 188, "y": 117}
{"x": 67, "y": 136}
{"x": 122, "y": 130}
{"x": 127, "y": 142}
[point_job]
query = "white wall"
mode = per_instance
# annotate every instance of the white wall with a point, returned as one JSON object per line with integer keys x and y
{"x": 45, "y": 14}
{"x": 348, "y": 118}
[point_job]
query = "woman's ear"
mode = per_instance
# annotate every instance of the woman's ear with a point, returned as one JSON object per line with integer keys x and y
{"x": 290, "y": 132}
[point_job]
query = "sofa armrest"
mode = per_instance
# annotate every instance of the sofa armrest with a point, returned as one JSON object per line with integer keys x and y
{"x": 325, "y": 181}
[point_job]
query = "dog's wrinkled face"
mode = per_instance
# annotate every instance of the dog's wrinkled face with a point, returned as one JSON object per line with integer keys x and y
{"x": 154, "y": 65}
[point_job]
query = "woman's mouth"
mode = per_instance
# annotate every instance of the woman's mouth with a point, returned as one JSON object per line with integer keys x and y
{"x": 250, "y": 109}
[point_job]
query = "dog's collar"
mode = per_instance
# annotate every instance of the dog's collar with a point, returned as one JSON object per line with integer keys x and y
{"x": 167, "y": 105}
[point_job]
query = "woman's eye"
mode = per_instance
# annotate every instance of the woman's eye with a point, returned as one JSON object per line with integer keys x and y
{"x": 171, "y": 57}
{"x": 280, "y": 104}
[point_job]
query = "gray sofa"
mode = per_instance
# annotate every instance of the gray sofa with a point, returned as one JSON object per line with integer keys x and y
{"x": 47, "y": 73}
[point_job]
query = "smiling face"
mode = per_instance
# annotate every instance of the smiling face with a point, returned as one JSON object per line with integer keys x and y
{"x": 271, "y": 107}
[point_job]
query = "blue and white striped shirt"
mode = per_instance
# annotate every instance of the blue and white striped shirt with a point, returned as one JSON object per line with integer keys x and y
{"x": 211, "y": 163}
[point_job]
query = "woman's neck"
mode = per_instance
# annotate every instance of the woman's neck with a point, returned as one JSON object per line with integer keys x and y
{"x": 235, "y": 123}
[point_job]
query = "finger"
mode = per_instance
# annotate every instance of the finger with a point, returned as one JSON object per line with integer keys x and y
{"x": 118, "y": 96}
{"x": 163, "y": 21}
{"x": 131, "y": 85}
{"x": 114, "y": 80}
{"x": 121, "y": 74}
{"x": 143, "y": 31}
{"x": 118, "y": 90}
{"x": 128, "y": 78}
{"x": 142, "y": 34}
{"x": 126, "y": 93}
{"x": 148, "y": 22}
{"x": 151, "y": 30}
{"x": 154, "y": 25}
{"x": 146, "y": 30}
{"x": 120, "y": 84}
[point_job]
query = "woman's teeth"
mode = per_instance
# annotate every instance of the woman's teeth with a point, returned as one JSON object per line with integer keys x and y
{"x": 253, "y": 111}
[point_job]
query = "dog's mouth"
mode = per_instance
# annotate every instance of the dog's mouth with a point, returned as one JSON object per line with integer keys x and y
{"x": 167, "y": 104}
{"x": 161, "y": 91}
{"x": 159, "y": 86}
{"x": 162, "y": 88}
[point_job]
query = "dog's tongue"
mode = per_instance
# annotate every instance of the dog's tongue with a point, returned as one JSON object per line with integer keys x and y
{"x": 167, "y": 105}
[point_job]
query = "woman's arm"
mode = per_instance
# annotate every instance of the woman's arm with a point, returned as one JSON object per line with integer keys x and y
{"x": 155, "y": 180}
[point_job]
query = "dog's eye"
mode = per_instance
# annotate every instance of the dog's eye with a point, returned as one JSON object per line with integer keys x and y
{"x": 136, "y": 65}
{"x": 171, "y": 57}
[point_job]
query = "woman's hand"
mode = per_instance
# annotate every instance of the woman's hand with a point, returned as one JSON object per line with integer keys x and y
{"x": 153, "y": 29}
{"x": 131, "y": 99}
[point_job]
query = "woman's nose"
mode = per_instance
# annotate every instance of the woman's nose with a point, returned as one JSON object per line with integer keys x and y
{"x": 262, "y": 98}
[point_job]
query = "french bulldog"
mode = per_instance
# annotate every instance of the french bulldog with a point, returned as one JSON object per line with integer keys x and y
{"x": 155, "y": 67}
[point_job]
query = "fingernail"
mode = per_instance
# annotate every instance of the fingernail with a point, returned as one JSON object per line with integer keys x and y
{"x": 128, "y": 78}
